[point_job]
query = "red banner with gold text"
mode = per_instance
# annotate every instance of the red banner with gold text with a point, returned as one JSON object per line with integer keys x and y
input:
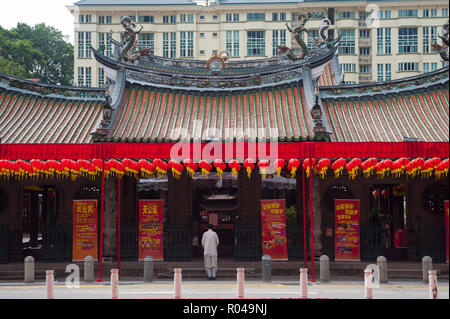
{"x": 84, "y": 242}
{"x": 273, "y": 219}
{"x": 347, "y": 229}
{"x": 151, "y": 229}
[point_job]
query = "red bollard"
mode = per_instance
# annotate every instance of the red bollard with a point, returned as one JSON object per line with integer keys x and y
{"x": 303, "y": 282}
{"x": 114, "y": 283}
{"x": 432, "y": 284}
{"x": 49, "y": 283}
{"x": 177, "y": 282}
{"x": 240, "y": 282}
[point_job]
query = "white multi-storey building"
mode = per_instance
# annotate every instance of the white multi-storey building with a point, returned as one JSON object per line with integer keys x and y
{"x": 381, "y": 40}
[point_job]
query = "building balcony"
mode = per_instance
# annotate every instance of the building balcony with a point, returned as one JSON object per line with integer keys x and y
{"x": 364, "y": 78}
{"x": 365, "y": 59}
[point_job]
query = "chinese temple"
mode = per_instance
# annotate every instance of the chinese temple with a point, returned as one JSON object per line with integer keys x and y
{"x": 211, "y": 139}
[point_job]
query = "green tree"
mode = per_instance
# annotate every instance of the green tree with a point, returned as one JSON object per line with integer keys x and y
{"x": 42, "y": 51}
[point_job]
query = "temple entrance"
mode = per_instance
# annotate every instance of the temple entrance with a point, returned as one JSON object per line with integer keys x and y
{"x": 215, "y": 202}
{"x": 39, "y": 211}
{"x": 388, "y": 213}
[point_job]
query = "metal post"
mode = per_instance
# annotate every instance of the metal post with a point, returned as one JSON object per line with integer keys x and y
{"x": 89, "y": 268}
{"x": 368, "y": 286}
{"x": 240, "y": 282}
{"x": 324, "y": 268}
{"x": 29, "y": 269}
{"x": 266, "y": 268}
{"x": 432, "y": 283}
{"x": 427, "y": 265}
{"x": 49, "y": 283}
{"x": 114, "y": 283}
{"x": 303, "y": 282}
{"x": 177, "y": 283}
{"x": 148, "y": 269}
{"x": 382, "y": 266}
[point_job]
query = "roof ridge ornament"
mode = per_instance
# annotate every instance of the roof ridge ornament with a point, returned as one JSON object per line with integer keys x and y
{"x": 290, "y": 53}
{"x": 218, "y": 62}
{"x": 443, "y": 49}
{"x": 128, "y": 52}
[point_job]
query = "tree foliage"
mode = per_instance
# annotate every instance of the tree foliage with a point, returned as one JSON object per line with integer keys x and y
{"x": 38, "y": 51}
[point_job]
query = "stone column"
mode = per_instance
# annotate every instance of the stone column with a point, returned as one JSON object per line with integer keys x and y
{"x": 110, "y": 218}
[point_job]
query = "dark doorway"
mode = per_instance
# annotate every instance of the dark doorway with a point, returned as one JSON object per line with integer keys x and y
{"x": 39, "y": 212}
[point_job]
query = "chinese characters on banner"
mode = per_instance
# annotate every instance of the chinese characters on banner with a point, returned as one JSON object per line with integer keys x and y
{"x": 84, "y": 241}
{"x": 151, "y": 229}
{"x": 347, "y": 234}
{"x": 446, "y": 226}
{"x": 273, "y": 220}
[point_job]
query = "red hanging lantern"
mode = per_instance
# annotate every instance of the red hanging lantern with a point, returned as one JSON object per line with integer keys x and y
{"x": 263, "y": 166}
{"x": 352, "y": 167}
{"x": 442, "y": 168}
{"x": 385, "y": 193}
{"x": 98, "y": 163}
{"x": 146, "y": 168}
{"x": 191, "y": 167}
{"x": 220, "y": 166}
{"x": 338, "y": 166}
{"x": 161, "y": 167}
{"x": 293, "y": 166}
{"x": 376, "y": 193}
{"x": 279, "y": 165}
{"x": 368, "y": 166}
{"x": 322, "y": 167}
{"x": 249, "y": 165}
{"x": 235, "y": 167}
{"x": 174, "y": 165}
{"x": 308, "y": 164}
{"x": 205, "y": 167}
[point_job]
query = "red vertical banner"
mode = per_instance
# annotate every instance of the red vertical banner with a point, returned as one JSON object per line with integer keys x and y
{"x": 151, "y": 229}
{"x": 446, "y": 226}
{"x": 84, "y": 242}
{"x": 273, "y": 220}
{"x": 347, "y": 229}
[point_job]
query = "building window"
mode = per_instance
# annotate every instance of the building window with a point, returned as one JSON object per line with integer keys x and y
{"x": 426, "y": 13}
{"x": 186, "y": 44}
{"x": 380, "y": 73}
{"x": 101, "y": 19}
{"x": 408, "y": 13}
{"x": 363, "y": 15}
{"x": 317, "y": 15}
{"x": 257, "y": 16}
{"x": 426, "y": 67}
{"x": 235, "y": 17}
{"x": 364, "y": 51}
{"x": 429, "y": 37}
{"x": 229, "y": 17}
{"x": 380, "y": 41}
{"x": 101, "y": 77}
{"x": 433, "y": 66}
{"x": 387, "y": 14}
{"x": 81, "y": 44}
{"x": 169, "y": 19}
{"x": 88, "y": 82}
{"x": 278, "y": 16}
{"x": 387, "y": 41}
{"x": 215, "y": 17}
{"x": 214, "y": 34}
{"x": 108, "y": 19}
{"x": 408, "y": 66}
{"x": 388, "y": 75}
{"x": 232, "y": 43}
{"x": 348, "y": 67}
{"x": 80, "y": 76}
{"x": 202, "y": 34}
{"x": 445, "y": 12}
{"x": 312, "y": 34}
{"x": 85, "y": 18}
{"x": 346, "y": 15}
{"x": 146, "y": 19}
{"x": 347, "y": 43}
{"x": 364, "y": 69}
{"x": 279, "y": 39}
{"x": 147, "y": 41}
{"x": 202, "y": 17}
{"x": 202, "y": 52}
{"x": 88, "y": 44}
{"x": 256, "y": 43}
{"x": 407, "y": 40}
{"x": 364, "y": 33}
{"x": 187, "y": 17}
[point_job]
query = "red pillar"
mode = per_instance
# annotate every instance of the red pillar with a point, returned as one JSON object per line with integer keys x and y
{"x": 119, "y": 179}
{"x": 311, "y": 213}
{"x": 101, "y": 221}
{"x": 304, "y": 218}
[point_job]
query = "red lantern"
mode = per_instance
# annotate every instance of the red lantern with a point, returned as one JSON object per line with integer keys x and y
{"x": 322, "y": 167}
{"x": 338, "y": 166}
{"x": 442, "y": 168}
{"x": 205, "y": 167}
{"x": 308, "y": 164}
{"x": 220, "y": 167}
{"x": 249, "y": 165}
{"x": 385, "y": 193}
{"x": 191, "y": 167}
{"x": 98, "y": 163}
{"x": 293, "y": 165}
{"x": 352, "y": 167}
{"x": 161, "y": 167}
{"x": 235, "y": 167}
{"x": 146, "y": 168}
{"x": 279, "y": 164}
{"x": 368, "y": 166}
{"x": 376, "y": 193}
{"x": 174, "y": 165}
{"x": 263, "y": 165}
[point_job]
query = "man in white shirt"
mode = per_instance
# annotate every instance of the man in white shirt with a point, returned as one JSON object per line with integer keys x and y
{"x": 210, "y": 241}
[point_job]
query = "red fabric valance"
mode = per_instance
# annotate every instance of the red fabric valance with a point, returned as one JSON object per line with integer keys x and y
{"x": 239, "y": 150}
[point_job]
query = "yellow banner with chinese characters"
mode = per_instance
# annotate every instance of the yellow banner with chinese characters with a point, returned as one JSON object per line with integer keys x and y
{"x": 85, "y": 237}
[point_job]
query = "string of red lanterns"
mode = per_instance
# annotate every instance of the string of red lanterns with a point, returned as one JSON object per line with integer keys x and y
{"x": 67, "y": 168}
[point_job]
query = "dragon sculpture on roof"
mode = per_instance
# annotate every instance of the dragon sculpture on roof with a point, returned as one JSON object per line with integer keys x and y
{"x": 443, "y": 49}
{"x": 128, "y": 51}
